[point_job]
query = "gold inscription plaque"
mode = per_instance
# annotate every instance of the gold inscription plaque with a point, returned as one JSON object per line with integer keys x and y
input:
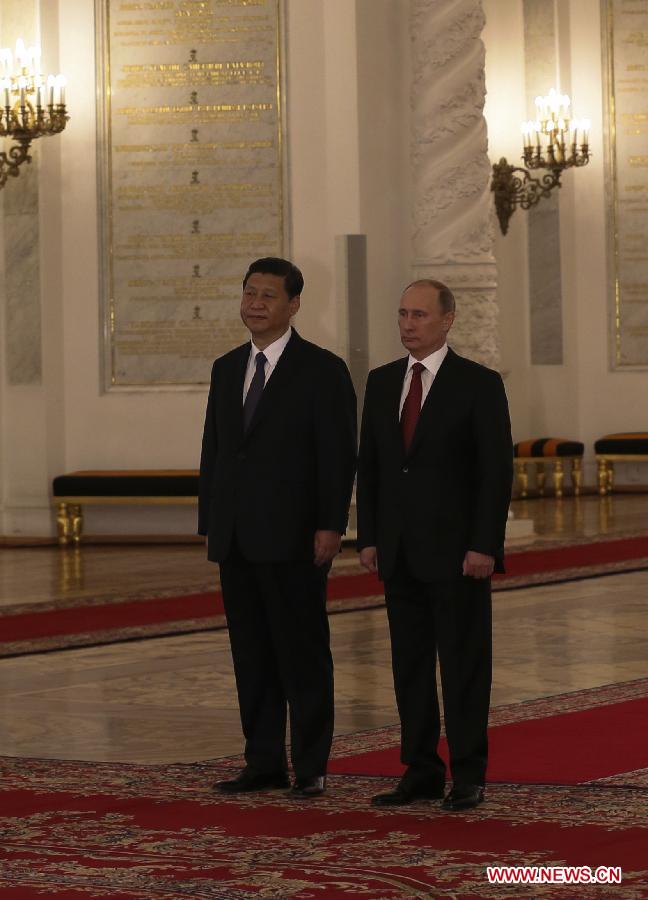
{"x": 626, "y": 39}
{"x": 192, "y": 186}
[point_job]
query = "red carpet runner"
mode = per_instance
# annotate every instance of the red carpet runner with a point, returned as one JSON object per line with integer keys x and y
{"x": 90, "y": 830}
{"x": 85, "y": 623}
{"x": 567, "y": 748}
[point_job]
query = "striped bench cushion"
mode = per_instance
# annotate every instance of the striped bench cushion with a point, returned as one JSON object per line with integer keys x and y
{"x": 543, "y": 447}
{"x": 632, "y": 443}
{"x": 133, "y": 483}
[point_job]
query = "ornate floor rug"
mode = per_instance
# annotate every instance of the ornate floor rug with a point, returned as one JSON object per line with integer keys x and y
{"x": 87, "y": 621}
{"x": 88, "y": 830}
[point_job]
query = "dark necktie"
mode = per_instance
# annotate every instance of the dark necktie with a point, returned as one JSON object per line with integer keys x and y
{"x": 412, "y": 406}
{"x": 254, "y": 391}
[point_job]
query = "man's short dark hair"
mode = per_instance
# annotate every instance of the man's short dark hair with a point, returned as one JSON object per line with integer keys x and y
{"x": 446, "y": 297}
{"x": 274, "y": 265}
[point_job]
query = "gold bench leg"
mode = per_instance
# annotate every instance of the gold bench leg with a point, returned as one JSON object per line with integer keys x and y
{"x": 576, "y": 476}
{"x": 63, "y": 524}
{"x": 610, "y": 475}
{"x": 602, "y": 477}
{"x": 76, "y": 517}
{"x": 522, "y": 478}
{"x": 540, "y": 478}
{"x": 558, "y": 474}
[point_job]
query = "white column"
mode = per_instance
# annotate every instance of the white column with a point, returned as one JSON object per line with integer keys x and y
{"x": 453, "y": 238}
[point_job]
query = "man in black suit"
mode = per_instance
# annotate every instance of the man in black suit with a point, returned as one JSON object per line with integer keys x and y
{"x": 276, "y": 474}
{"x": 434, "y": 485}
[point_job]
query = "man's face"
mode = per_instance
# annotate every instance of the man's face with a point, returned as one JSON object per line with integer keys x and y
{"x": 423, "y": 325}
{"x": 266, "y": 308}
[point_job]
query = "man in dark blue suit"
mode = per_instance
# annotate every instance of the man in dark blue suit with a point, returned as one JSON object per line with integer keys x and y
{"x": 434, "y": 484}
{"x": 276, "y": 475}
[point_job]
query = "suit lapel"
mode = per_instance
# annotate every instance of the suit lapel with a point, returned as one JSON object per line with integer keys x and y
{"x": 281, "y": 378}
{"x": 235, "y": 393}
{"x": 439, "y": 390}
{"x": 392, "y": 401}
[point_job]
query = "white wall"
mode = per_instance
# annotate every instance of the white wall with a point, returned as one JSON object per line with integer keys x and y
{"x": 383, "y": 44}
{"x": 582, "y": 398}
{"x": 348, "y": 144}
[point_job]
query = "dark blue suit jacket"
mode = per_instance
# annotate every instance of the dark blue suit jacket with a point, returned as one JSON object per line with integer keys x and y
{"x": 292, "y": 473}
{"x": 451, "y": 492}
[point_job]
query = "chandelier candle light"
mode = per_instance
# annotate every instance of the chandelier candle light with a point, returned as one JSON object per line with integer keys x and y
{"x": 30, "y": 106}
{"x": 553, "y": 141}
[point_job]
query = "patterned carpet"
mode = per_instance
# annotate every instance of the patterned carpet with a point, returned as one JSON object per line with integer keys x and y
{"x": 76, "y": 830}
{"x": 88, "y": 620}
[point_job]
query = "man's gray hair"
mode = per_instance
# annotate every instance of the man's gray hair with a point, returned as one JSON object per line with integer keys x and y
{"x": 446, "y": 297}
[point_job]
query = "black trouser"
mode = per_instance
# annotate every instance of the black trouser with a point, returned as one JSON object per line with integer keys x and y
{"x": 450, "y": 618}
{"x": 279, "y": 634}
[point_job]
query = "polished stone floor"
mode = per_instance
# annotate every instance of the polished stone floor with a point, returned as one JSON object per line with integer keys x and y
{"x": 173, "y": 699}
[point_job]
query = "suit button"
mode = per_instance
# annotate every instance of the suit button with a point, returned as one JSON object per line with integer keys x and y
{"x": 405, "y": 469}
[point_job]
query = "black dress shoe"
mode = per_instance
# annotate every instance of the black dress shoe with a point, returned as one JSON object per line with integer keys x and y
{"x": 408, "y": 793}
{"x": 249, "y": 780}
{"x": 464, "y": 796}
{"x": 305, "y": 788}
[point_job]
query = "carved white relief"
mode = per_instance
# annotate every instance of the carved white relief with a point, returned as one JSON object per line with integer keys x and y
{"x": 453, "y": 236}
{"x": 442, "y": 29}
{"x": 480, "y": 276}
{"x": 474, "y": 332}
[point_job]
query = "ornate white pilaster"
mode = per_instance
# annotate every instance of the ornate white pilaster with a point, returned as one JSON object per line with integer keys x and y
{"x": 452, "y": 206}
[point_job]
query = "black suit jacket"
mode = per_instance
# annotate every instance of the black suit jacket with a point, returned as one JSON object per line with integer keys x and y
{"x": 292, "y": 473}
{"x": 451, "y": 492}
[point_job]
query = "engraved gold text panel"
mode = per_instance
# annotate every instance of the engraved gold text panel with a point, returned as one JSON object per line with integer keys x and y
{"x": 191, "y": 186}
{"x": 626, "y": 23}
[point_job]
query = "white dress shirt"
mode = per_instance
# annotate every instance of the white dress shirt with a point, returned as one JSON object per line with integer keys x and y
{"x": 432, "y": 364}
{"x": 272, "y": 353}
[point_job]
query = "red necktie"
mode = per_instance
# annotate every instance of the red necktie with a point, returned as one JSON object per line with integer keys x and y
{"x": 412, "y": 406}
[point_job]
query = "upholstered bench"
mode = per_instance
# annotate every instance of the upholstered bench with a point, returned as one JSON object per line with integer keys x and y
{"x": 142, "y": 486}
{"x": 543, "y": 451}
{"x": 627, "y": 447}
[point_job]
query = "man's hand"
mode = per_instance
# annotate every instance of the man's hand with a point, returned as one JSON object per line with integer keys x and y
{"x": 327, "y": 545}
{"x": 369, "y": 559}
{"x": 478, "y": 565}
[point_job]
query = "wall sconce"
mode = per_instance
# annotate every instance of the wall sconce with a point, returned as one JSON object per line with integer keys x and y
{"x": 29, "y": 106}
{"x": 550, "y": 142}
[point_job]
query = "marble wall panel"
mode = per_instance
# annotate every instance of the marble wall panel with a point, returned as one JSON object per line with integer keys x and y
{"x": 353, "y": 307}
{"x": 21, "y": 246}
{"x": 545, "y": 288}
{"x": 22, "y": 300}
